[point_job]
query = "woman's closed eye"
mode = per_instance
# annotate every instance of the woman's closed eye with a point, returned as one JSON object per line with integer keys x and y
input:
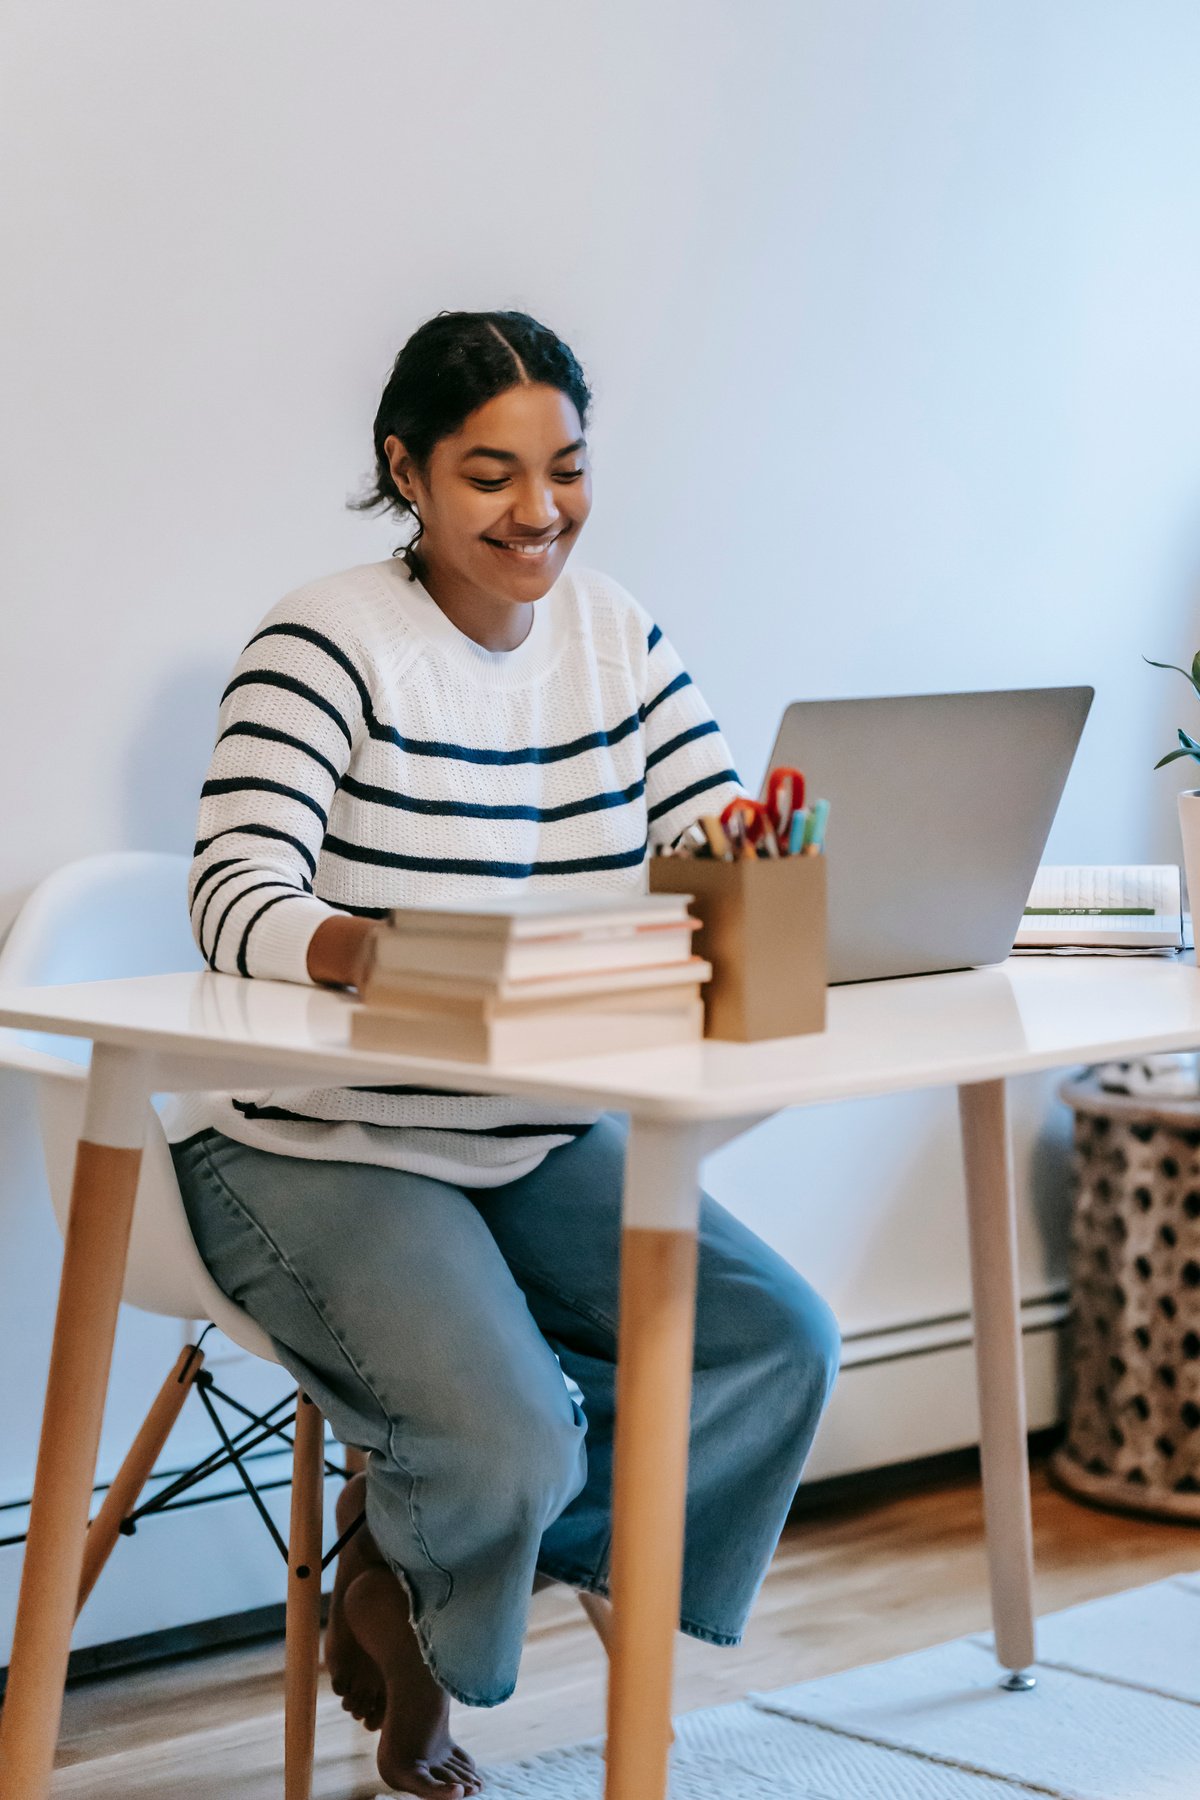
{"x": 491, "y": 486}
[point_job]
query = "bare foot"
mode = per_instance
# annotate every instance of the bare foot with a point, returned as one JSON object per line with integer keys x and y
{"x": 352, "y": 1672}
{"x": 417, "y": 1755}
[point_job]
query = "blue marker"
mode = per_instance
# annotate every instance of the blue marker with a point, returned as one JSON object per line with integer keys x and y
{"x": 797, "y": 830}
{"x": 814, "y": 830}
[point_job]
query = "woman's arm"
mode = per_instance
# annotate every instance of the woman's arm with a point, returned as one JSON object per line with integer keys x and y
{"x": 287, "y": 722}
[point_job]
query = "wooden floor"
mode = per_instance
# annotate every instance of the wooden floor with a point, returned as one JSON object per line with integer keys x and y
{"x": 862, "y": 1580}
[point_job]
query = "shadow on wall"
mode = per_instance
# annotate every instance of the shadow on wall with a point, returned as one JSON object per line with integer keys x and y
{"x": 167, "y": 755}
{"x": 1051, "y": 1186}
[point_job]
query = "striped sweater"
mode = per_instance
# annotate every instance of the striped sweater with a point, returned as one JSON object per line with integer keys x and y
{"x": 370, "y": 755}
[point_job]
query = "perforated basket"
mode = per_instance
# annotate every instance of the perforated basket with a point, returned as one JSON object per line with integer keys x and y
{"x": 1133, "y": 1432}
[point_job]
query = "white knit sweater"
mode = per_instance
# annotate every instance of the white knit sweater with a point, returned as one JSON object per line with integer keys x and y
{"x": 372, "y": 755}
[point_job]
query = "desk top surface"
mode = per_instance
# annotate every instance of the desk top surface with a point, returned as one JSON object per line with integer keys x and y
{"x": 1026, "y": 1014}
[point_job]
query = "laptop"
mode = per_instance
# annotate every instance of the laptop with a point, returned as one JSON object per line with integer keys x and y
{"x": 940, "y": 807}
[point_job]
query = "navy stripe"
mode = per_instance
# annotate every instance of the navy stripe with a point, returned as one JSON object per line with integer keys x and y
{"x": 229, "y": 862}
{"x": 263, "y": 831}
{"x": 264, "y": 908}
{"x": 677, "y": 743}
{"x": 653, "y": 638}
{"x": 270, "y": 678}
{"x": 238, "y": 868}
{"x": 459, "y": 865}
{"x": 477, "y": 809}
{"x": 251, "y": 1111}
{"x": 404, "y": 1087}
{"x": 250, "y": 728}
{"x": 309, "y": 636}
{"x": 249, "y": 784}
{"x": 683, "y": 679}
{"x": 689, "y": 793}
{"x": 530, "y": 753}
{"x": 236, "y": 901}
{"x": 358, "y": 912}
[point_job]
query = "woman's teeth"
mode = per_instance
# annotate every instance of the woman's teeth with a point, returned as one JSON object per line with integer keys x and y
{"x": 526, "y": 549}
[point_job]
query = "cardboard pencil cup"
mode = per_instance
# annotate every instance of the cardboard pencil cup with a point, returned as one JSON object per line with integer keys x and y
{"x": 763, "y": 929}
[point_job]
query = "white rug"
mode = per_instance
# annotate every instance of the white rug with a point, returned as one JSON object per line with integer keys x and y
{"x": 1115, "y": 1716}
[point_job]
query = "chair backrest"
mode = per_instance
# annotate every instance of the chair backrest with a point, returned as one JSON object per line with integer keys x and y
{"x": 120, "y": 914}
{"x": 104, "y": 916}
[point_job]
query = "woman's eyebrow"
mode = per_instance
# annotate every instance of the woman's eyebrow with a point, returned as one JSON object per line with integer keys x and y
{"x": 510, "y": 456}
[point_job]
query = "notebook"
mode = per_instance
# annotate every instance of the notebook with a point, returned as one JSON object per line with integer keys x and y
{"x": 1106, "y": 906}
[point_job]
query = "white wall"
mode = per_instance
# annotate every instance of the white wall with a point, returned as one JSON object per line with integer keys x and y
{"x": 892, "y": 315}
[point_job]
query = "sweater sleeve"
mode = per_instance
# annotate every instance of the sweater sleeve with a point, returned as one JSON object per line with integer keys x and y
{"x": 689, "y": 770}
{"x": 285, "y": 730}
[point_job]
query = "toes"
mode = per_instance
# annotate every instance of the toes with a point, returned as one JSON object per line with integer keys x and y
{"x": 463, "y": 1770}
{"x": 466, "y": 1778}
{"x": 444, "y": 1786}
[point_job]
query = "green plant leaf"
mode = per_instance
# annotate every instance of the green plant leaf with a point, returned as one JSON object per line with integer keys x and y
{"x": 1173, "y": 756}
{"x": 1189, "y": 743}
{"x": 1190, "y": 678}
{"x": 1196, "y": 671}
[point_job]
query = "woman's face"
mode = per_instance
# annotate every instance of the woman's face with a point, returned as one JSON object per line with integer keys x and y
{"x": 504, "y": 498}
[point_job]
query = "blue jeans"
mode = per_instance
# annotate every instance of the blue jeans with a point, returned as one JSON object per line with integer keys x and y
{"x": 426, "y": 1321}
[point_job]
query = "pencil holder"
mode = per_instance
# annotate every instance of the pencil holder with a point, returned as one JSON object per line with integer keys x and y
{"x": 763, "y": 929}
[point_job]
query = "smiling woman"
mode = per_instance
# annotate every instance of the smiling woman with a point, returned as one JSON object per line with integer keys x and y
{"x": 480, "y": 438}
{"x": 465, "y": 719}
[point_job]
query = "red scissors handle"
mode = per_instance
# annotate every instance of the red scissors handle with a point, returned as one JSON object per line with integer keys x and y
{"x": 747, "y": 824}
{"x": 785, "y": 795}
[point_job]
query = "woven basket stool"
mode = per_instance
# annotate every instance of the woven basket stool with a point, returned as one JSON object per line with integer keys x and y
{"x": 1133, "y": 1431}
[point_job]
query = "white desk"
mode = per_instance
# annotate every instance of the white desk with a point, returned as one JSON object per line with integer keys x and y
{"x": 971, "y": 1030}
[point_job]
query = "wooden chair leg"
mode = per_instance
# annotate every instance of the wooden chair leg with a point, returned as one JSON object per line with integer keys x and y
{"x": 354, "y": 1458}
{"x": 599, "y": 1616}
{"x": 134, "y": 1472}
{"x": 303, "y": 1601}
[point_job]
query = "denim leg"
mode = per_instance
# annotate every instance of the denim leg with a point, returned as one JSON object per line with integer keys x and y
{"x": 388, "y": 1298}
{"x": 766, "y": 1355}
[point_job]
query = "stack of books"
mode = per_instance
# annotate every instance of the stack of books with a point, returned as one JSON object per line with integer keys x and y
{"x": 533, "y": 976}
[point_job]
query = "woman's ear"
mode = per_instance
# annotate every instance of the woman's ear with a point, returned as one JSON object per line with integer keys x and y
{"x": 401, "y": 465}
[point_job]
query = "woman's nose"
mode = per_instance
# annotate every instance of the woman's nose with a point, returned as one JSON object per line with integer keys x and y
{"x": 534, "y": 507}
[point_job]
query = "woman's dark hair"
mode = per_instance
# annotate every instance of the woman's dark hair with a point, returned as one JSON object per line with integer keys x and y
{"x": 452, "y": 364}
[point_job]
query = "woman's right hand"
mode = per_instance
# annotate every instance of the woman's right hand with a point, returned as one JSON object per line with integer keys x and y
{"x": 341, "y": 950}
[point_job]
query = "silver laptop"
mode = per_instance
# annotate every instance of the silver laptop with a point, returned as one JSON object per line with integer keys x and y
{"x": 940, "y": 807}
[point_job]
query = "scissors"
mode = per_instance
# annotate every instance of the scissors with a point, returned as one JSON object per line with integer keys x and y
{"x": 747, "y": 825}
{"x": 785, "y": 796}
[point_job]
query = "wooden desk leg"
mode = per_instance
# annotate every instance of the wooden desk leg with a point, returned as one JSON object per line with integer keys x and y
{"x": 654, "y": 1384}
{"x": 991, "y": 1214}
{"x": 303, "y": 1625}
{"x": 97, "y": 1239}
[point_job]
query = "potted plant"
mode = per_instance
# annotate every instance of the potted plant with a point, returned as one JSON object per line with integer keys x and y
{"x": 1189, "y": 798}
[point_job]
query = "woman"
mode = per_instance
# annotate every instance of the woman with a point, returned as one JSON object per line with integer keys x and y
{"x": 440, "y": 1270}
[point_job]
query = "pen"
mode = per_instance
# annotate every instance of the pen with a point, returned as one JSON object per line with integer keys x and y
{"x": 799, "y": 826}
{"x": 718, "y": 838}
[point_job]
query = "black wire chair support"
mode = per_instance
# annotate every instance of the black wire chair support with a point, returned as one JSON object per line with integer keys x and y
{"x": 234, "y": 1450}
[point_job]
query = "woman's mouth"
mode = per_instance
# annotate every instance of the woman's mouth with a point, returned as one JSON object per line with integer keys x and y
{"x": 527, "y": 550}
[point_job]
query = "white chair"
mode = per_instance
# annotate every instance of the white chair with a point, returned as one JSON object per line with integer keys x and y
{"x": 119, "y": 915}
{"x": 126, "y": 914}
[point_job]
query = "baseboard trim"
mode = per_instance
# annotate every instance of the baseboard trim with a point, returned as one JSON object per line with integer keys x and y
{"x": 172, "y": 1644}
